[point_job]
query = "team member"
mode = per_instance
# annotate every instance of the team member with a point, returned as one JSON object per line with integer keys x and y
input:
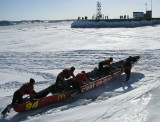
{"x": 26, "y": 88}
{"x": 127, "y": 68}
{"x": 61, "y": 84}
{"x": 79, "y": 79}
{"x": 105, "y": 62}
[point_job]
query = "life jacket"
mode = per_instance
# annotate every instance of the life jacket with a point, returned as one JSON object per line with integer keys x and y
{"x": 66, "y": 73}
{"x": 26, "y": 89}
{"x": 80, "y": 77}
{"x": 127, "y": 65}
{"x": 106, "y": 62}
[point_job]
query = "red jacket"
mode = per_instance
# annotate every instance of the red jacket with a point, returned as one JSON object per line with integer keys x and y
{"x": 80, "y": 77}
{"x": 127, "y": 65}
{"x": 27, "y": 88}
{"x": 66, "y": 73}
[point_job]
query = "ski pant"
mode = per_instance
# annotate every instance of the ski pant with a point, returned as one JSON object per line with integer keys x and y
{"x": 17, "y": 98}
{"x": 128, "y": 73}
{"x": 60, "y": 85}
{"x": 100, "y": 66}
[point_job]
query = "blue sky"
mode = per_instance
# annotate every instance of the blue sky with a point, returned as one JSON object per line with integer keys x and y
{"x": 71, "y": 9}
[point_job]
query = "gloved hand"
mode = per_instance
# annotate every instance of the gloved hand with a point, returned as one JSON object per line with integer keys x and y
{"x": 32, "y": 99}
{"x": 111, "y": 72}
{"x": 34, "y": 94}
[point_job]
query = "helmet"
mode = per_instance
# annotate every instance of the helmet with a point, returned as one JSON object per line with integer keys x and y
{"x": 83, "y": 72}
{"x": 72, "y": 68}
{"x": 129, "y": 59}
{"x": 111, "y": 58}
{"x": 32, "y": 81}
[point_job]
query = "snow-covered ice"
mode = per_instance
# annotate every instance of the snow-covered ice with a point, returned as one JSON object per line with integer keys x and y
{"x": 42, "y": 50}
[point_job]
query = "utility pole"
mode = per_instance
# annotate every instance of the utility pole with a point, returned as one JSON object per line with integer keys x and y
{"x": 151, "y": 5}
{"x": 151, "y": 8}
{"x": 146, "y": 6}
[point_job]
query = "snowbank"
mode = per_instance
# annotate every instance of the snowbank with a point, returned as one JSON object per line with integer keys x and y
{"x": 105, "y": 24}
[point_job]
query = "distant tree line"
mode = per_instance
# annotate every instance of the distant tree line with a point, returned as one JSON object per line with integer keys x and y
{"x": 6, "y": 23}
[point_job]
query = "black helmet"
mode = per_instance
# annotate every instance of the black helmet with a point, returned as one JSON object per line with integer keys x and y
{"x": 83, "y": 72}
{"x": 72, "y": 68}
{"x": 129, "y": 59}
{"x": 32, "y": 80}
{"x": 111, "y": 58}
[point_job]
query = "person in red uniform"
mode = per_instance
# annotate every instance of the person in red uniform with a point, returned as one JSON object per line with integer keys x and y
{"x": 61, "y": 84}
{"x": 105, "y": 62}
{"x": 127, "y": 68}
{"x": 26, "y": 88}
{"x": 78, "y": 81}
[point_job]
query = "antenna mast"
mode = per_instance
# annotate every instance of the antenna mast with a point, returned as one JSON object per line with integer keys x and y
{"x": 151, "y": 8}
{"x": 151, "y": 5}
{"x": 99, "y": 15}
{"x": 146, "y": 6}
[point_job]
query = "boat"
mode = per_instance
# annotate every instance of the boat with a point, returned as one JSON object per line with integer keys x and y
{"x": 96, "y": 77}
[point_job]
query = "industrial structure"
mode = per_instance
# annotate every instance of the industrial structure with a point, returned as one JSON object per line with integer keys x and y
{"x": 136, "y": 15}
{"x": 100, "y": 21}
{"x": 141, "y": 15}
{"x": 99, "y": 14}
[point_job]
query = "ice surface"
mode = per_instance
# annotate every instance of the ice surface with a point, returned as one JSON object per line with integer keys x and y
{"x": 41, "y": 51}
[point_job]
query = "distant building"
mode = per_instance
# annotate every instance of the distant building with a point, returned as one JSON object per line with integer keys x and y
{"x": 148, "y": 14}
{"x": 138, "y": 15}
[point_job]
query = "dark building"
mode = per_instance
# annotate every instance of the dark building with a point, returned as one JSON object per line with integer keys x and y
{"x": 148, "y": 14}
